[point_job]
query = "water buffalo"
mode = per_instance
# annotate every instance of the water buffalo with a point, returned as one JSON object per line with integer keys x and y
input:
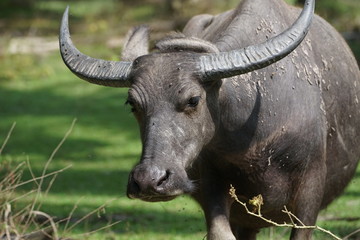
{"x": 243, "y": 98}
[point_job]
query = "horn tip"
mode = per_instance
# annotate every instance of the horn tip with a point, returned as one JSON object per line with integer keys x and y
{"x": 66, "y": 13}
{"x": 64, "y": 23}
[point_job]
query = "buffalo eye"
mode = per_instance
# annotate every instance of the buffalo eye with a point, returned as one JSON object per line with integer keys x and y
{"x": 193, "y": 101}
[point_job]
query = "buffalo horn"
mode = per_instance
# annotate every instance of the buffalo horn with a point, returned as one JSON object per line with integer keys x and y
{"x": 236, "y": 62}
{"x": 98, "y": 71}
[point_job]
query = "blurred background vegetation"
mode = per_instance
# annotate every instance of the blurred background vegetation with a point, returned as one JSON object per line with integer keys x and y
{"x": 40, "y": 94}
{"x": 111, "y": 18}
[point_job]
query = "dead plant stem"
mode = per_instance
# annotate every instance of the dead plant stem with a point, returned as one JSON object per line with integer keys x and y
{"x": 33, "y": 179}
{"x": 291, "y": 217}
{"x": 7, "y": 137}
{"x": 99, "y": 229}
{"x": 89, "y": 214}
{"x": 52, "y": 223}
{"x": 39, "y": 190}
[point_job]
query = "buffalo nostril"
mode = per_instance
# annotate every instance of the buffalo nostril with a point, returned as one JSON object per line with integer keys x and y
{"x": 164, "y": 178}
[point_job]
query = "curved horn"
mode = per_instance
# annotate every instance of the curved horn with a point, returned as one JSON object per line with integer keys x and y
{"x": 236, "y": 62}
{"x": 98, "y": 71}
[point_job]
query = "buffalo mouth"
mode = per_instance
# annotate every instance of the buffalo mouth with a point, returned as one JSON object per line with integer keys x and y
{"x": 154, "y": 186}
{"x": 153, "y": 198}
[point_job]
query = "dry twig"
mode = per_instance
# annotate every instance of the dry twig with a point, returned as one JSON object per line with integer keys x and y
{"x": 292, "y": 217}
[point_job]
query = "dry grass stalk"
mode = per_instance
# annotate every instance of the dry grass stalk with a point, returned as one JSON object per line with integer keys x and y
{"x": 55, "y": 235}
{"x": 23, "y": 224}
{"x": 257, "y": 202}
{"x": 7, "y": 137}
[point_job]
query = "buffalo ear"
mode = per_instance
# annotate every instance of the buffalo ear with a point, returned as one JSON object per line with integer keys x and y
{"x": 136, "y": 43}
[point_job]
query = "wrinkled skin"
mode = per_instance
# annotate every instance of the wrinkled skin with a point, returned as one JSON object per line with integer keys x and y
{"x": 289, "y": 131}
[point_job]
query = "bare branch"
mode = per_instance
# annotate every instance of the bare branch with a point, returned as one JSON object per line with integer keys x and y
{"x": 232, "y": 193}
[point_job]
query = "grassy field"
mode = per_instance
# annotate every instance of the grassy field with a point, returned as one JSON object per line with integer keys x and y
{"x": 39, "y": 93}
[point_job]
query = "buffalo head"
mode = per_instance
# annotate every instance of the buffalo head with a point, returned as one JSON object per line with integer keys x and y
{"x": 173, "y": 94}
{"x": 171, "y": 105}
